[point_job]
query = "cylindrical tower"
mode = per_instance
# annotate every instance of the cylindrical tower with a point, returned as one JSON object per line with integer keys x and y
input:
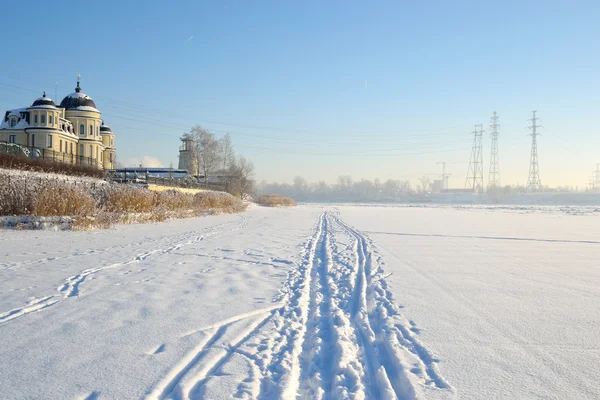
{"x": 188, "y": 158}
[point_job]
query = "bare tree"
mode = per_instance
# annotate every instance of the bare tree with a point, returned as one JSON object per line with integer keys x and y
{"x": 116, "y": 164}
{"x": 425, "y": 183}
{"x": 241, "y": 172}
{"x": 226, "y": 149}
{"x": 209, "y": 158}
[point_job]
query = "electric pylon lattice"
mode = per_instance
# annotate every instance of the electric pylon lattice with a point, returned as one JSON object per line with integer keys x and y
{"x": 533, "y": 182}
{"x": 475, "y": 172}
{"x": 494, "y": 176}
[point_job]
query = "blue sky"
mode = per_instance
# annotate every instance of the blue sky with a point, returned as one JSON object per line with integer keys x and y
{"x": 321, "y": 89}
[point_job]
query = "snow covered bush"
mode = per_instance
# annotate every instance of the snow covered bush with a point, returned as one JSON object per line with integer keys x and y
{"x": 173, "y": 200}
{"x": 21, "y": 195}
{"x": 101, "y": 205}
{"x": 124, "y": 198}
{"x": 274, "y": 200}
{"x": 62, "y": 199}
{"x": 210, "y": 200}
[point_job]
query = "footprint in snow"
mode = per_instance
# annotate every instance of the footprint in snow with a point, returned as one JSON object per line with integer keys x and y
{"x": 95, "y": 395}
{"x": 157, "y": 350}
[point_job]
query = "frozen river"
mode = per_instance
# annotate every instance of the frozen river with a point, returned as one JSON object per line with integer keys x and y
{"x": 312, "y": 301}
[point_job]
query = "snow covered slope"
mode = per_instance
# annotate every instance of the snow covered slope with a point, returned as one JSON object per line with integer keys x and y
{"x": 313, "y": 302}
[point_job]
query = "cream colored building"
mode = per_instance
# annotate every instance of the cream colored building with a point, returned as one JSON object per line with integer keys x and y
{"x": 70, "y": 132}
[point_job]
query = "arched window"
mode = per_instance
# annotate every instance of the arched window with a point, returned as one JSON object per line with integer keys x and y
{"x": 43, "y": 119}
{"x": 51, "y": 119}
{"x": 13, "y": 122}
{"x": 81, "y": 129}
{"x": 35, "y": 119}
{"x": 91, "y": 130}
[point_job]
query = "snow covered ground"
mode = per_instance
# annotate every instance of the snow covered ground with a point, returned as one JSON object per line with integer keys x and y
{"x": 313, "y": 301}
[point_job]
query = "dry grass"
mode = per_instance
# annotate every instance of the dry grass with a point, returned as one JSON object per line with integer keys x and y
{"x": 124, "y": 198}
{"x": 62, "y": 199}
{"x": 104, "y": 205}
{"x": 13, "y": 161}
{"x": 275, "y": 200}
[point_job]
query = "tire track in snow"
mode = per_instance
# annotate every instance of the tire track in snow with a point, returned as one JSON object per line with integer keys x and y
{"x": 316, "y": 359}
{"x": 336, "y": 334}
{"x": 391, "y": 336}
{"x": 70, "y": 287}
{"x": 331, "y": 360}
{"x": 282, "y": 338}
{"x": 189, "y": 376}
{"x": 348, "y": 327}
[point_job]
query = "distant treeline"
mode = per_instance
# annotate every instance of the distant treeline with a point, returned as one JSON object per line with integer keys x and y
{"x": 364, "y": 190}
{"x": 345, "y": 189}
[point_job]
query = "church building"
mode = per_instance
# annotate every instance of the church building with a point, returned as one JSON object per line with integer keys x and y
{"x": 71, "y": 132}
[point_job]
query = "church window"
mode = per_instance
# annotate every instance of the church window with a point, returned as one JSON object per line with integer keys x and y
{"x": 43, "y": 119}
{"x": 91, "y": 130}
{"x": 35, "y": 119}
{"x": 51, "y": 119}
{"x": 81, "y": 129}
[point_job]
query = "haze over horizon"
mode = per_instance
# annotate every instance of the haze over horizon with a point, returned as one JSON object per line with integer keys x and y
{"x": 320, "y": 90}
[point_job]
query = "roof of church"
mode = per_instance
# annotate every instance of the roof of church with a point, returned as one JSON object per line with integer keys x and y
{"x": 43, "y": 102}
{"x": 78, "y": 101}
{"x": 105, "y": 128}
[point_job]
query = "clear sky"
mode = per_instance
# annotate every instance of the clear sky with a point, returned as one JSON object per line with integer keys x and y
{"x": 325, "y": 88}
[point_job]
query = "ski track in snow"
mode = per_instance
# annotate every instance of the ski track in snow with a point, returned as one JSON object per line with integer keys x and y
{"x": 334, "y": 332}
{"x": 71, "y": 285}
{"x": 32, "y": 306}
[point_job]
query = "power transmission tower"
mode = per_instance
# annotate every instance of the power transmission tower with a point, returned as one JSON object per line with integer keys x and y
{"x": 533, "y": 182}
{"x": 475, "y": 172}
{"x": 494, "y": 177}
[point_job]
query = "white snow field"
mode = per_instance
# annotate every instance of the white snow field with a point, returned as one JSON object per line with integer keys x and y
{"x": 308, "y": 302}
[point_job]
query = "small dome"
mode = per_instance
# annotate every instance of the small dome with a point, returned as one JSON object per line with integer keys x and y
{"x": 43, "y": 101}
{"x": 78, "y": 100}
{"x": 105, "y": 128}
